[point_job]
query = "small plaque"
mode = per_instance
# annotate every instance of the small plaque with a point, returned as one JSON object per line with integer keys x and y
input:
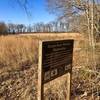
{"x": 47, "y": 75}
{"x": 67, "y": 67}
{"x": 56, "y": 59}
{"x": 54, "y": 72}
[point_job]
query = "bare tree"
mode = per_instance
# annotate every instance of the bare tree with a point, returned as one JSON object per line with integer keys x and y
{"x": 3, "y": 28}
{"x": 76, "y": 9}
{"x": 11, "y": 28}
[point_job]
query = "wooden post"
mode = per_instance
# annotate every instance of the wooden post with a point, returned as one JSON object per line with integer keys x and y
{"x": 43, "y": 48}
{"x": 68, "y": 86}
{"x": 40, "y": 84}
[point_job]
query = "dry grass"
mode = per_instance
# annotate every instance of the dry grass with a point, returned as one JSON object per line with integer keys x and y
{"x": 17, "y": 52}
{"x": 18, "y": 69}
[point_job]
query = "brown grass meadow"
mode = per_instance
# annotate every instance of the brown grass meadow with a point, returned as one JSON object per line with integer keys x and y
{"x": 16, "y": 52}
{"x": 19, "y": 70}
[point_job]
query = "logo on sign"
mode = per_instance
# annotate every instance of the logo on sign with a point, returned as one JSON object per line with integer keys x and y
{"x": 47, "y": 75}
{"x": 54, "y": 72}
{"x": 67, "y": 67}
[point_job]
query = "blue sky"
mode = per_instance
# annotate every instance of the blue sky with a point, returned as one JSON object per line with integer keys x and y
{"x": 12, "y": 12}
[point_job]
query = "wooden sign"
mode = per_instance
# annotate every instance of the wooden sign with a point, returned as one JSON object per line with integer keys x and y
{"x": 55, "y": 60}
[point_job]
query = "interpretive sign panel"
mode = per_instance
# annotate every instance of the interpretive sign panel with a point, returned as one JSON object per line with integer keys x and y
{"x": 56, "y": 59}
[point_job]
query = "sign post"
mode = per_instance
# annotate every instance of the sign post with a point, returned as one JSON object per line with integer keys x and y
{"x": 55, "y": 60}
{"x": 68, "y": 86}
{"x": 40, "y": 83}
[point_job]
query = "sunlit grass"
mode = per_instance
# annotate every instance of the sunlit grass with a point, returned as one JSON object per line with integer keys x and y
{"x": 17, "y": 51}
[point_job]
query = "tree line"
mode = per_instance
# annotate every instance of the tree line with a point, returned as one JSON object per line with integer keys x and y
{"x": 11, "y": 28}
{"x": 72, "y": 15}
{"x": 83, "y": 15}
